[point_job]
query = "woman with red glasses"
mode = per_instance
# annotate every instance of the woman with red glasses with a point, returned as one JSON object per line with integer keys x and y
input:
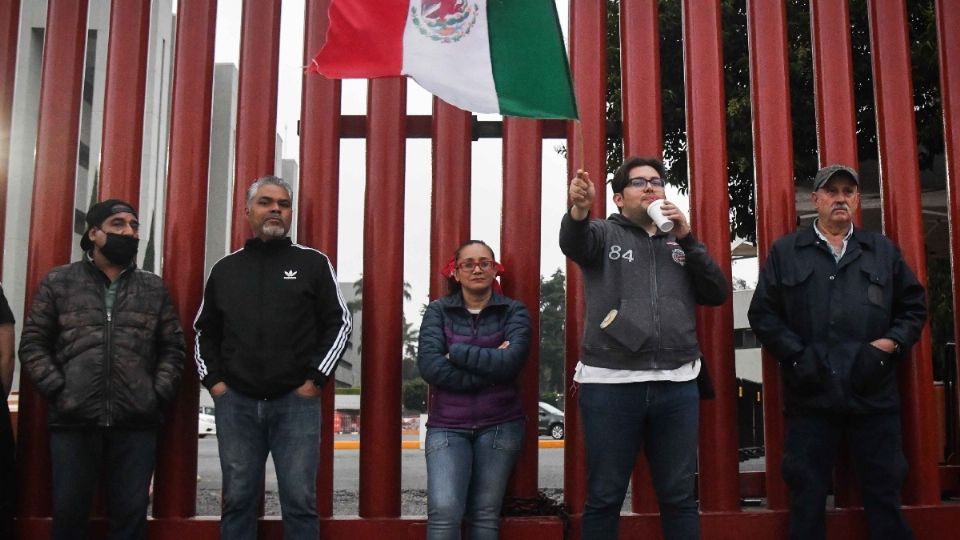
{"x": 473, "y": 343}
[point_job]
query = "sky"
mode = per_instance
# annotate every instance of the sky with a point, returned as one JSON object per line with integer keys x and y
{"x": 486, "y": 192}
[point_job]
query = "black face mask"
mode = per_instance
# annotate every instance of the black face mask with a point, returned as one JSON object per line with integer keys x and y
{"x": 120, "y": 249}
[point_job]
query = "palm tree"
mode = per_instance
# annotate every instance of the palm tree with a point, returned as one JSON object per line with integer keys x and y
{"x": 410, "y": 334}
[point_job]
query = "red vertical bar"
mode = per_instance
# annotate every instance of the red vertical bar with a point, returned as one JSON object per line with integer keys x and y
{"x": 640, "y": 78}
{"x": 382, "y": 299}
{"x": 51, "y": 231}
{"x": 257, "y": 105}
{"x": 175, "y": 491}
{"x": 643, "y": 136}
{"x": 319, "y": 200}
{"x": 900, "y": 193}
{"x": 773, "y": 173}
{"x": 450, "y": 211}
{"x": 520, "y": 252}
{"x": 833, "y": 82}
{"x": 586, "y": 138}
{"x": 948, "y": 19}
{"x": 123, "y": 100}
{"x": 837, "y": 143}
{"x": 9, "y": 24}
{"x": 709, "y": 202}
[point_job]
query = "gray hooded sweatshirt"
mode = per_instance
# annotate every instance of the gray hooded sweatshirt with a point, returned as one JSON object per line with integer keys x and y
{"x": 653, "y": 282}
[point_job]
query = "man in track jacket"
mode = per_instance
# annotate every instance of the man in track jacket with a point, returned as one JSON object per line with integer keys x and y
{"x": 270, "y": 331}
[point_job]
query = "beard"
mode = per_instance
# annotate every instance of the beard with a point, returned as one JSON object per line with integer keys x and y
{"x": 274, "y": 231}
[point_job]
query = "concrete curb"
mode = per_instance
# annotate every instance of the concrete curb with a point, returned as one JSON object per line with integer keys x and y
{"x": 415, "y": 445}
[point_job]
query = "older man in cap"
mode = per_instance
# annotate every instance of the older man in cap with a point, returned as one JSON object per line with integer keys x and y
{"x": 103, "y": 345}
{"x": 839, "y": 309}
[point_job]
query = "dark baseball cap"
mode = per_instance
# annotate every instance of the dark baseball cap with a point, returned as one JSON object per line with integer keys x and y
{"x": 825, "y": 174}
{"x": 98, "y": 213}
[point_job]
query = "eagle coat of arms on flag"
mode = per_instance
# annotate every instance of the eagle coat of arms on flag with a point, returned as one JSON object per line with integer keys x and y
{"x": 444, "y": 21}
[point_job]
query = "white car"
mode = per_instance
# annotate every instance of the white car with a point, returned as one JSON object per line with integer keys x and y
{"x": 206, "y": 423}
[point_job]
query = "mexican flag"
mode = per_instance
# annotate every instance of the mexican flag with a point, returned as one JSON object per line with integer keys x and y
{"x": 487, "y": 56}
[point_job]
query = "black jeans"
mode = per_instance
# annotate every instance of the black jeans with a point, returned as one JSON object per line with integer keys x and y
{"x": 876, "y": 451}
{"x": 127, "y": 458}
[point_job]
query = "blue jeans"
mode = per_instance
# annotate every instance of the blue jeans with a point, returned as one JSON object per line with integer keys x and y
{"x": 467, "y": 474}
{"x": 77, "y": 456}
{"x": 618, "y": 420}
{"x": 288, "y": 427}
{"x": 810, "y": 450}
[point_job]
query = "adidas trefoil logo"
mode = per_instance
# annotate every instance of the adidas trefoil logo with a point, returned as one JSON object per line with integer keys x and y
{"x": 290, "y": 274}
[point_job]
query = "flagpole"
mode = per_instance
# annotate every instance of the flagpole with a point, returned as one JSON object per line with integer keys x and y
{"x": 578, "y": 130}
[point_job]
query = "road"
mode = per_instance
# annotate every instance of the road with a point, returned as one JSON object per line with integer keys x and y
{"x": 346, "y": 479}
{"x": 346, "y": 468}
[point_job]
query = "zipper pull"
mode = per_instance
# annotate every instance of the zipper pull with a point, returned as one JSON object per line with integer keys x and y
{"x": 109, "y": 316}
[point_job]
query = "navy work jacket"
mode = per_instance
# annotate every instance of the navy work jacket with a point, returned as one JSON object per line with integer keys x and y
{"x": 818, "y": 316}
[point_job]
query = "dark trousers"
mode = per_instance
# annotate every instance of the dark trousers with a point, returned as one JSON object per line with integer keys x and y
{"x": 8, "y": 476}
{"x": 78, "y": 456}
{"x": 619, "y": 420}
{"x": 876, "y": 451}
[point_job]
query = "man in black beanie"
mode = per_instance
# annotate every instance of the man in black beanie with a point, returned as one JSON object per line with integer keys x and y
{"x": 103, "y": 345}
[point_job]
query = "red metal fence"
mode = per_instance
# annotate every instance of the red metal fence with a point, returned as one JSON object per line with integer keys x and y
{"x": 386, "y": 130}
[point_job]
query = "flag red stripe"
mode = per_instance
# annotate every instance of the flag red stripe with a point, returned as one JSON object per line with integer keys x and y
{"x": 364, "y": 40}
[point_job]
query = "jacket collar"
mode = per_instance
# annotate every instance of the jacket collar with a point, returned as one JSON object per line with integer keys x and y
{"x": 455, "y": 300}
{"x": 98, "y": 273}
{"x": 808, "y": 237}
{"x": 256, "y": 244}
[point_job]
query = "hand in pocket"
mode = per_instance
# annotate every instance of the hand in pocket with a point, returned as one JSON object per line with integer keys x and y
{"x": 871, "y": 369}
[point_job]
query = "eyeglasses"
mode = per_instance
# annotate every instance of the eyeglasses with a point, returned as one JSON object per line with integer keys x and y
{"x": 470, "y": 264}
{"x": 641, "y": 182}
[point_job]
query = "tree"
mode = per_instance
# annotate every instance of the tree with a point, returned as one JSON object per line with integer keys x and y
{"x": 411, "y": 338}
{"x": 927, "y": 110}
{"x": 410, "y": 334}
{"x": 737, "y": 90}
{"x": 552, "y": 343}
{"x": 415, "y": 395}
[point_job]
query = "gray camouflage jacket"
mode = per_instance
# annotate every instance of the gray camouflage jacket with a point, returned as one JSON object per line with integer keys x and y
{"x": 99, "y": 367}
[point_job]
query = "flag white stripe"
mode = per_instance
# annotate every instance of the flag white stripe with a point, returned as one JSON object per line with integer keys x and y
{"x": 452, "y": 63}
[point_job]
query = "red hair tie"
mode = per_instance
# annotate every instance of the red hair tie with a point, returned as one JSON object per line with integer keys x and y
{"x": 450, "y": 268}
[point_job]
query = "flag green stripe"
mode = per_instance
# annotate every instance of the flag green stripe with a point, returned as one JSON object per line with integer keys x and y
{"x": 529, "y": 62}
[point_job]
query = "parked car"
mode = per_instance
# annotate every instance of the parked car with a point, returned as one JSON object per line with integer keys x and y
{"x": 206, "y": 423}
{"x": 551, "y": 421}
